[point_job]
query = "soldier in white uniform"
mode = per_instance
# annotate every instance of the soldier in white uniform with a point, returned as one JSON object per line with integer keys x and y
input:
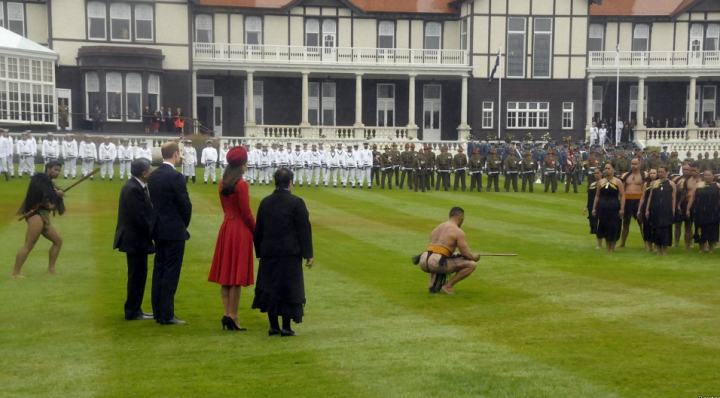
{"x": 263, "y": 163}
{"x": 70, "y": 155}
{"x": 188, "y": 165}
{"x": 143, "y": 152}
{"x": 50, "y": 148}
{"x": 602, "y": 134}
{"x": 209, "y": 158}
{"x": 342, "y": 173}
{"x": 297, "y": 161}
{"x": 314, "y": 162}
{"x": 107, "y": 153}
{"x": 9, "y": 148}
{"x": 365, "y": 162}
{"x": 323, "y": 165}
{"x": 282, "y": 158}
{"x": 222, "y": 158}
{"x": 351, "y": 164}
{"x": 274, "y": 151}
{"x": 125, "y": 158}
{"x": 33, "y": 144}
{"x": 618, "y": 131}
{"x": 247, "y": 176}
{"x": 306, "y": 164}
{"x": 88, "y": 155}
{"x": 593, "y": 135}
{"x": 334, "y": 163}
{"x": 26, "y": 155}
{"x": 4, "y": 153}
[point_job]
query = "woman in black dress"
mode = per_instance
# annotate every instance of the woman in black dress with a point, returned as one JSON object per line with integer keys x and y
{"x": 647, "y": 228}
{"x": 661, "y": 210}
{"x": 705, "y": 212}
{"x": 592, "y": 191}
{"x": 609, "y": 207}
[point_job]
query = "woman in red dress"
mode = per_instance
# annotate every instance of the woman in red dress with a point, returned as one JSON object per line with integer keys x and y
{"x": 232, "y": 265}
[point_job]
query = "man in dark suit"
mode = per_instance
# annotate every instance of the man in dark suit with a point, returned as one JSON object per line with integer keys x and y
{"x": 169, "y": 120}
{"x": 283, "y": 237}
{"x": 136, "y": 219}
{"x": 173, "y": 209}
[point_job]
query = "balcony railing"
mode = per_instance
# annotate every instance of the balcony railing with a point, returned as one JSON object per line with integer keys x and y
{"x": 228, "y": 53}
{"x": 654, "y": 59}
{"x": 328, "y": 132}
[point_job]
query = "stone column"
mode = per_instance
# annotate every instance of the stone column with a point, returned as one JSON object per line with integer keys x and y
{"x": 194, "y": 100}
{"x": 640, "y": 127}
{"x": 588, "y": 109}
{"x": 691, "y": 108}
{"x": 250, "y": 106}
{"x": 464, "y": 128}
{"x": 358, "y": 101}
{"x": 411, "y": 126}
{"x": 305, "y": 93}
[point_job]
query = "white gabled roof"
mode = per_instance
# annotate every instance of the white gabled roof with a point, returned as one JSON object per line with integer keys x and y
{"x": 10, "y": 41}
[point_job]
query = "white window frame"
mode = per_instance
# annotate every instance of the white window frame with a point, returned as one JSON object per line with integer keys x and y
{"x": 121, "y": 13}
{"x": 254, "y": 27}
{"x": 328, "y": 103}
{"x": 386, "y": 29}
{"x": 596, "y": 32}
{"x": 432, "y": 30}
{"x": 488, "y": 114}
{"x": 92, "y": 85}
{"x": 708, "y": 102}
{"x": 312, "y": 31}
{"x": 314, "y": 103}
{"x": 528, "y": 115}
{"x": 114, "y": 87}
{"x": 204, "y": 22}
{"x": 512, "y": 59}
{"x": 537, "y": 34}
{"x": 96, "y": 10}
{"x": 385, "y": 104}
{"x": 428, "y": 107}
{"x": 258, "y": 100}
{"x": 154, "y": 91}
{"x": 597, "y": 98}
{"x": 2, "y": 20}
{"x": 697, "y": 33}
{"x": 133, "y": 92}
{"x": 16, "y": 12}
{"x": 567, "y": 115}
{"x": 464, "y": 34}
{"x": 144, "y": 12}
{"x": 712, "y": 38}
{"x": 641, "y": 32}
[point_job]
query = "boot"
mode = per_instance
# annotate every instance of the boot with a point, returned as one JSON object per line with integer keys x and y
{"x": 187, "y": 179}
{"x": 6, "y": 176}
{"x": 193, "y": 179}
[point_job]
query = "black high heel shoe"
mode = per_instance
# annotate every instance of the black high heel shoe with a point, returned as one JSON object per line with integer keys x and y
{"x": 231, "y": 325}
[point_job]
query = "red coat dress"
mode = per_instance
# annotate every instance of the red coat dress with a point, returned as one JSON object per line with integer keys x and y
{"x": 232, "y": 263}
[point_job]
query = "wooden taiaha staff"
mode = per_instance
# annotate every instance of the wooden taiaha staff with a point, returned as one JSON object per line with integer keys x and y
{"x": 34, "y": 209}
{"x": 498, "y": 255}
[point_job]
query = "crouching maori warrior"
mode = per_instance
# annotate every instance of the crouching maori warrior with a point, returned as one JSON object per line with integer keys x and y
{"x": 438, "y": 260}
{"x": 42, "y": 198}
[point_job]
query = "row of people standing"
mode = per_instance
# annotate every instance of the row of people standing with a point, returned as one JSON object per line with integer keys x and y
{"x": 161, "y": 120}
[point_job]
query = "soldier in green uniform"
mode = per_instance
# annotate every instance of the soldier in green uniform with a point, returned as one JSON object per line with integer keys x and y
{"x": 386, "y": 166}
{"x": 704, "y": 162}
{"x": 622, "y": 165}
{"x": 674, "y": 165}
{"x": 527, "y": 168}
{"x": 590, "y": 166}
{"x": 375, "y": 170}
{"x": 475, "y": 167}
{"x": 688, "y": 158}
{"x": 493, "y": 170}
{"x": 572, "y": 166}
{"x": 715, "y": 163}
{"x": 459, "y": 165}
{"x": 443, "y": 163}
{"x": 406, "y": 160}
{"x": 395, "y": 155}
{"x": 512, "y": 168}
{"x": 430, "y": 155}
{"x": 550, "y": 164}
{"x": 420, "y": 170}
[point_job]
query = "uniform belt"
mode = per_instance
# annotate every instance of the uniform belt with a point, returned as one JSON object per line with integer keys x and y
{"x": 439, "y": 250}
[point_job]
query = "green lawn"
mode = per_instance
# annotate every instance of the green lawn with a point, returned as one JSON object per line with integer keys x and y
{"x": 560, "y": 319}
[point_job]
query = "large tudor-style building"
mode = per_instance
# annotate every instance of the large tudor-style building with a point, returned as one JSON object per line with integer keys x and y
{"x": 417, "y": 68}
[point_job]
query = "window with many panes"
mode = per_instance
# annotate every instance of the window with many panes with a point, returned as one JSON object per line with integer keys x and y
{"x": 385, "y": 105}
{"x": 92, "y": 93}
{"x": 641, "y": 37}
{"x": 154, "y": 92}
{"x": 527, "y": 115}
{"x": 464, "y": 34}
{"x": 712, "y": 37}
{"x": 253, "y": 30}
{"x": 487, "y": 114}
{"x": 124, "y": 94}
{"x": 120, "y": 22}
{"x": 16, "y": 18}
{"x": 321, "y": 103}
{"x": 567, "y": 115}
{"x": 114, "y": 99}
{"x": 542, "y": 47}
{"x": 203, "y": 28}
{"x": 24, "y": 88}
{"x": 133, "y": 94}
{"x": 516, "y": 47}
{"x": 96, "y": 20}
{"x": 125, "y": 22}
{"x": 386, "y": 34}
{"x": 143, "y": 22}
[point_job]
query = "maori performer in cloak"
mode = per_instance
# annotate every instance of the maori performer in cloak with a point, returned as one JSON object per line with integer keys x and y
{"x": 592, "y": 191}
{"x": 42, "y": 198}
{"x": 647, "y": 228}
{"x": 661, "y": 210}
{"x": 609, "y": 207}
{"x": 705, "y": 212}
{"x": 438, "y": 260}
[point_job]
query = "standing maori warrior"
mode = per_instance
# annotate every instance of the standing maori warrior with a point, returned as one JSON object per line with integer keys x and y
{"x": 634, "y": 188}
{"x": 438, "y": 260}
{"x": 42, "y": 198}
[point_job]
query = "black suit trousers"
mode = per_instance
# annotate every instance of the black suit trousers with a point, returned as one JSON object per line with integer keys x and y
{"x": 166, "y": 274}
{"x": 137, "y": 275}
